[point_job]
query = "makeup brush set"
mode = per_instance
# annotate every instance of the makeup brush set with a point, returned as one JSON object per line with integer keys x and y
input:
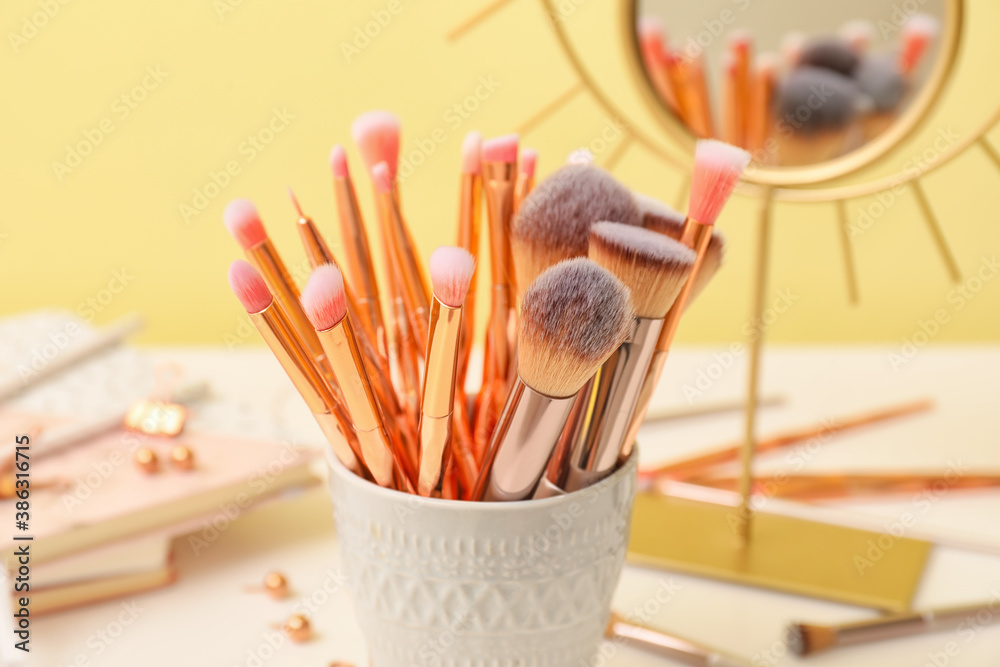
{"x": 824, "y": 96}
{"x": 588, "y": 285}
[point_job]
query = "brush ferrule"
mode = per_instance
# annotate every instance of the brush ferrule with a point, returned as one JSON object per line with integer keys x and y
{"x": 469, "y": 223}
{"x": 266, "y": 259}
{"x": 499, "y": 181}
{"x": 435, "y": 438}
{"x": 610, "y": 406}
{"x": 438, "y": 394}
{"x": 643, "y": 399}
{"x": 697, "y": 237}
{"x": 342, "y": 351}
{"x": 410, "y": 270}
{"x": 317, "y": 252}
{"x": 522, "y": 443}
{"x": 359, "y": 261}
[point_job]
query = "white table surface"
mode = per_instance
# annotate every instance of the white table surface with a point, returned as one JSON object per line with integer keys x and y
{"x": 207, "y": 619}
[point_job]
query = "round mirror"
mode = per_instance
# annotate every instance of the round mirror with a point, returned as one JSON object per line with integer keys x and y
{"x": 820, "y": 87}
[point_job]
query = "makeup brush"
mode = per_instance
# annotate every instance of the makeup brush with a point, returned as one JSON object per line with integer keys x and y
{"x": 700, "y": 100}
{"x": 361, "y": 270}
{"x": 717, "y": 169}
{"x": 792, "y": 45}
{"x": 499, "y": 182}
{"x": 298, "y": 363}
{"x": 760, "y": 119}
{"x": 729, "y": 112}
{"x": 451, "y": 274}
{"x": 572, "y": 318}
{"x": 878, "y": 76}
{"x": 676, "y": 649}
{"x": 377, "y": 366}
{"x": 804, "y": 639}
{"x": 858, "y": 34}
{"x": 662, "y": 219}
{"x": 680, "y": 80}
{"x": 469, "y": 224}
{"x": 830, "y": 53}
{"x": 741, "y": 46}
{"x": 243, "y": 222}
{"x": 919, "y": 32}
{"x": 324, "y": 301}
{"x": 811, "y": 133}
{"x": 525, "y": 175}
{"x": 318, "y": 253}
{"x": 554, "y": 221}
{"x": 654, "y": 268}
{"x": 837, "y": 486}
{"x": 415, "y": 285}
{"x": 699, "y": 465}
{"x": 652, "y": 48}
{"x": 376, "y": 134}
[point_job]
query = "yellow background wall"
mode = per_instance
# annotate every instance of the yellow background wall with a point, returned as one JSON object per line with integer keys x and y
{"x": 226, "y": 66}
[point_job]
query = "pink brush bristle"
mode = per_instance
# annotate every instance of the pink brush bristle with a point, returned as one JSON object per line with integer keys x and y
{"x": 650, "y": 31}
{"x": 243, "y": 222}
{"x": 529, "y": 160}
{"x": 377, "y": 136}
{"x": 451, "y": 273}
{"x": 472, "y": 150}
{"x": 740, "y": 41}
{"x": 717, "y": 168}
{"x": 249, "y": 287}
{"x": 918, "y": 33}
{"x": 501, "y": 149}
{"x": 338, "y": 161}
{"x": 323, "y": 299}
{"x": 381, "y": 177}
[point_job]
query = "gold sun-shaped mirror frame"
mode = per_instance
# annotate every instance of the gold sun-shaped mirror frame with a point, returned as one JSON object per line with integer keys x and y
{"x": 822, "y": 172}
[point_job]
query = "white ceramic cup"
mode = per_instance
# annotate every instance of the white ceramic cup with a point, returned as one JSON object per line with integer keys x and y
{"x": 461, "y": 584}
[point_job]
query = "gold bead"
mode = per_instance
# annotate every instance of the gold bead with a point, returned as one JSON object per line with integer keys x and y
{"x": 297, "y": 628}
{"x": 182, "y": 458}
{"x": 275, "y": 585}
{"x": 146, "y": 460}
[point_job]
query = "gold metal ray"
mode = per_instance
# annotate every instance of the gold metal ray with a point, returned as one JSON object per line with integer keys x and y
{"x": 845, "y": 241}
{"x": 550, "y": 109}
{"x": 990, "y": 151}
{"x": 477, "y": 18}
{"x": 935, "y": 228}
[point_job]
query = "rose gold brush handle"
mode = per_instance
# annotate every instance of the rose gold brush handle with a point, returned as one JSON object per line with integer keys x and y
{"x": 611, "y": 404}
{"x": 359, "y": 261}
{"x": 684, "y": 651}
{"x": 412, "y": 281}
{"x": 699, "y": 465}
{"x": 833, "y": 486}
{"x": 522, "y": 443}
{"x": 469, "y": 223}
{"x": 697, "y": 237}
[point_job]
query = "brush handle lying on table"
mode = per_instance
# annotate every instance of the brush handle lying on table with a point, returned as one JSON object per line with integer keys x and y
{"x": 683, "y": 651}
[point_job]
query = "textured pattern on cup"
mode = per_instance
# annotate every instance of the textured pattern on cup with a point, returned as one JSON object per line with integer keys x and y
{"x": 450, "y": 584}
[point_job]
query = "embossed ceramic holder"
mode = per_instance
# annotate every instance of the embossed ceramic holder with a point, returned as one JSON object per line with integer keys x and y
{"x": 461, "y": 584}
